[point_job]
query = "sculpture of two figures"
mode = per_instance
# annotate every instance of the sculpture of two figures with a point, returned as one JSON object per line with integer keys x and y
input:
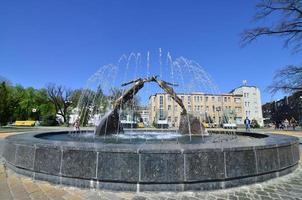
{"x": 110, "y": 123}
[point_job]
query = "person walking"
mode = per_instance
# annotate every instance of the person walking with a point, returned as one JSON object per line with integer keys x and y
{"x": 293, "y": 123}
{"x": 286, "y": 124}
{"x": 247, "y": 123}
{"x": 76, "y": 125}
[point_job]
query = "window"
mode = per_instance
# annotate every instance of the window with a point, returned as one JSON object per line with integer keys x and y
{"x": 161, "y": 109}
{"x": 182, "y": 98}
{"x": 213, "y": 98}
{"x": 169, "y": 107}
{"x": 169, "y": 98}
{"x": 207, "y": 109}
{"x": 169, "y": 119}
{"x": 237, "y": 100}
{"x": 189, "y": 98}
{"x": 238, "y": 109}
{"x": 207, "y": 99}
{"x": 213, "y": 107}
{"x": 219, "y": 99}
{"x": 175, "y": 108}
{"x": 161, "y": 101}
{"x": 225, "y": 99}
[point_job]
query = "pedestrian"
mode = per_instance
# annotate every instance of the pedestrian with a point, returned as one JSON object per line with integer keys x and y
{"x": 293, "y": 123}
{"x": 76, "y": 125}
{"x": 247, "y": 123}
{"x": 286, "y": 124}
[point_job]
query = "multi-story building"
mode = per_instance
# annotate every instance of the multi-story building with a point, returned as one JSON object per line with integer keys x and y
{"x": 251, "y": 102}
{"x": 286, "y": 108}
{"x": 144, "y": 113}
{"x": 211, "y": 108}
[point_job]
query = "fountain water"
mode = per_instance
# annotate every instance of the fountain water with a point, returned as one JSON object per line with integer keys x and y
{"x": 190, "y": 75}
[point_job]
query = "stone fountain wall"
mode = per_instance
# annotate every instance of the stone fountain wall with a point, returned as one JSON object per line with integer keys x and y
{"x": 152, "y": 167}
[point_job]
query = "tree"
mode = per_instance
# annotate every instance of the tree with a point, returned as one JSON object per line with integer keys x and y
{"x": 60, "y": 97}
{"x": 115, "y": 93}
{"x": 287, "y": 79}
{"x": 91, "y": 102}
{"x": 3, "y": 79}
{"x": 4, "y": 107}
{"x": 288, "y": 14}
{"x": 288, "y": 25}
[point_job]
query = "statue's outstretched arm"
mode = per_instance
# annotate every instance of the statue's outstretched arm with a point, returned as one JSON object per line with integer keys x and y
{"x": 171, "y": 92}
{"x": 172, "y": 84}
{"x": 133, "y": 81}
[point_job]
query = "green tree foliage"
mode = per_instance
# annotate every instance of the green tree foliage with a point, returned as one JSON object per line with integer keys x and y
{"x": 19, "y": 103}
{"x": 4, "y": 107}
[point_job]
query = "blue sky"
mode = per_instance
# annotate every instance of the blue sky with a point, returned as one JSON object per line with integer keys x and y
{"x": 67, "y": 41}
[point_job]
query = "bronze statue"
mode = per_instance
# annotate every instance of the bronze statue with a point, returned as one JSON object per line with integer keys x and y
{"x": 110, "y": 123}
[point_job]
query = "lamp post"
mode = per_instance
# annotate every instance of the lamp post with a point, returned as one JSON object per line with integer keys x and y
{"x": 34, "y": 111}
{"x": 300, "y": 110}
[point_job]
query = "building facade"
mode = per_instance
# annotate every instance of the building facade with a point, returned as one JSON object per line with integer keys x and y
{"x": 209, "y": 108}
{"x": 144, "y": 113}
{"x": 251, "y": 102}
{"x": 286, "y": 108}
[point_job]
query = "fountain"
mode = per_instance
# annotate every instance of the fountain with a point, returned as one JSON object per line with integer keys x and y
{"x": 115, "y": 158}
{"x": 110, "y": 123}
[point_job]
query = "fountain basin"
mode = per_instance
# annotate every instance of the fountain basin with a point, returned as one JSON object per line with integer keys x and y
{"x": 162, "y": 166}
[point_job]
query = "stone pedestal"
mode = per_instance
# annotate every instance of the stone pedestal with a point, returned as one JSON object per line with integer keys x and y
{"x": 190, "y": 124}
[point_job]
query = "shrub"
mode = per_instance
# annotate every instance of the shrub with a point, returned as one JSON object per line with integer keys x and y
{"x": 49, "y": 120}
{"x": 255, "y": 124}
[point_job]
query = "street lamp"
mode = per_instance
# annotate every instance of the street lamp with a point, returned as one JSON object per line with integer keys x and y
{"x": 300, "y": 111}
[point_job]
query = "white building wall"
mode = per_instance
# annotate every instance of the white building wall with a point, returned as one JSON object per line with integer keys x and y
{"x": 251, "y": 102}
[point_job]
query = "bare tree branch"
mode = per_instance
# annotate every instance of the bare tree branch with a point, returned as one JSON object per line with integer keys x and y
{"x": 289, "y": 25}
{"x": 288, "y": 80}
{"x": 60, "y": 97}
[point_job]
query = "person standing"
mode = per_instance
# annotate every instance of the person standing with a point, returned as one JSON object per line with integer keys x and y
{"x": 247, "y": 123}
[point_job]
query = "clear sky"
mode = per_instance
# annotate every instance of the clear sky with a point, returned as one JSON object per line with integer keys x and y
{"x": 66, "y": 41}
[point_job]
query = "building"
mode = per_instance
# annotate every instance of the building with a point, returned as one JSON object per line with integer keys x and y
{"x": 144, "y": 113}
{"x": 286, "y": 108}
{"x": 209, "y": 108}
{"x": 251, "y": 102}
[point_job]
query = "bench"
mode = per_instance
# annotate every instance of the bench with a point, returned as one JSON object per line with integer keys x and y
{"x": 25, "y": 123}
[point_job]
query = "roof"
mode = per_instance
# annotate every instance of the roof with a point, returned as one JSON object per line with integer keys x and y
{"x": 251, "y": 86}
{"x": 199, "y": 93}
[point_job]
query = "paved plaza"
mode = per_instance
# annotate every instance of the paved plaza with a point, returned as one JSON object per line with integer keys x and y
{"x": 14, "y": 186}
